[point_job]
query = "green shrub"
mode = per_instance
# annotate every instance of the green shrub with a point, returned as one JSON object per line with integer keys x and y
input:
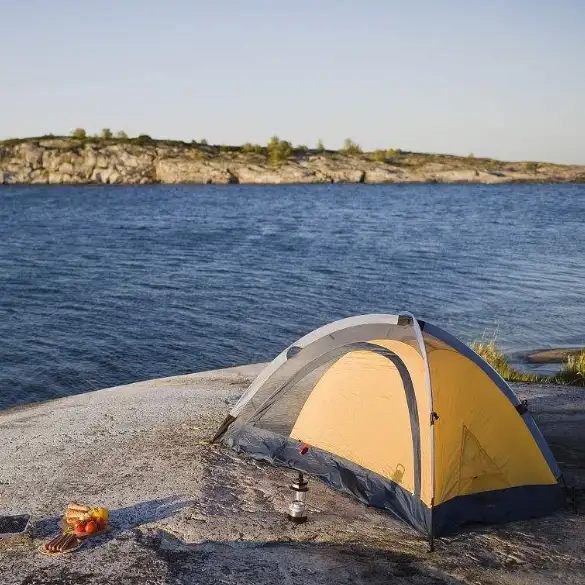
{"x": 279, "y": 150}
{"x": 302, "y": 148}
{"x": 79, "y": 133}
{"x": 203, "y": 142}
{"x": 572, "y": 372}
{"x": 320, "y": 146}
{"x": 380, "y": 155}
{"x": 351, "y": 147}
{"x": 249, "y": 148}
{"x": 121, "y": 135}
{"x": 224, "y": 148}
{"x": 393, "y": 152}
{"x": 106, "y": 134}
{"x": 143, "y": 139}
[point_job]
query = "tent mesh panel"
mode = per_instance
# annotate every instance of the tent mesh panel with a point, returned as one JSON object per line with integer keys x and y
{"x": 278, "y": 403}
{"x": 280, "y": 416}
{"x": 261, "y": 396}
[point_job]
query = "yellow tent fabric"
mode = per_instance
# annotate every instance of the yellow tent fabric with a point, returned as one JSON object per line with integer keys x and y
{"x": 467, "y": 399}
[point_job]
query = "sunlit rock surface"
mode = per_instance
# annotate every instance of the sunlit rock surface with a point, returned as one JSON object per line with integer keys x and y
{"x": 71, "y": 161}
{"x": 185, "y": 511}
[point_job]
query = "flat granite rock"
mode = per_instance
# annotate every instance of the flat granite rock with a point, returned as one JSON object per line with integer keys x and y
{"x": 184, "y": 511}
{"x": 556, "y": 355}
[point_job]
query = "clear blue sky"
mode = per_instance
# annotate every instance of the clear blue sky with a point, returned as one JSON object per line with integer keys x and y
{"x": 502, "y": 78}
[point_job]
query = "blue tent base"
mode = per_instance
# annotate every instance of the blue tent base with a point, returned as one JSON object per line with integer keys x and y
{"x": 498, "y": 506}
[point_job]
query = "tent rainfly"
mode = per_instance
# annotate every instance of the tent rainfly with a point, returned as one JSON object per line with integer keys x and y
{"x": 403, "y": 416}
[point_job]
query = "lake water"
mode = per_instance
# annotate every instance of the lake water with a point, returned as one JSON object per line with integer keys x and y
{"x": 101, "y": 286}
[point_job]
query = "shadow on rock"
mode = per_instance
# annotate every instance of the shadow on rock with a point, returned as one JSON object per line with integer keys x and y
{"x": 260, "y": 562}
{"x": 123, "y": 518}
{"x": 45, "y": 527}
{"x": 158, "y": 557}
{"x": 132, "y": 517}
{"x": 146, "y": 512}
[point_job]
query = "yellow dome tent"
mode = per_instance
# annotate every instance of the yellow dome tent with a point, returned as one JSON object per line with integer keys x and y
{"x": 404, "y": 416}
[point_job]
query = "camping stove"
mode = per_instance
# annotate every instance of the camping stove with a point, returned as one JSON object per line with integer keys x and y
{"x": 297, "y": 511}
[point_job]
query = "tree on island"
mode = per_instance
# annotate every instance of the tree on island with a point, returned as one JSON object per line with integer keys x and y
{"x": 351, "y": 147}
{"x": 320, "y": 146}
{"x": 380, "y": 155}
{"x": 279, "y": 150}
{"x": 106, "y": 134}
{"x": 121, "y": 135}
{"x": 79, "y": 133}
{"x": 143, "y": 139}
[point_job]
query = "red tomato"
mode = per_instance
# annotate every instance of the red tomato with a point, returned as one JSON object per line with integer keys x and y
{"x": 80, "y": 527}
{"x": 90, "y": 527}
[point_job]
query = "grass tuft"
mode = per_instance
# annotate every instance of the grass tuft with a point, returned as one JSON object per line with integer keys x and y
{"x": 572, "y": 372}
{"x": 496, "y": 358}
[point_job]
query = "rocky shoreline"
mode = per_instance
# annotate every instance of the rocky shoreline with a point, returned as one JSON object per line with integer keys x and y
{"x": 53, "y": 160}
{"x": 186, "y": 511}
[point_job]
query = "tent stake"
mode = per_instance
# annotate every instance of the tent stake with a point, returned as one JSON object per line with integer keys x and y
{"x": 431, "y": 543}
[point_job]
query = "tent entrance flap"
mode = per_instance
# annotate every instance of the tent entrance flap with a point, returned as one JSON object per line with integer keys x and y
{"x": 477, "y": 471}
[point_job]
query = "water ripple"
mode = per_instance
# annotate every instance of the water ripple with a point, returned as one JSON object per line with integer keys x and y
{"x": 107, "y": 285}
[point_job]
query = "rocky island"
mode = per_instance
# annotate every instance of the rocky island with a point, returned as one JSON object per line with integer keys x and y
{"x": 143, "y": 160}
{"x": 187, "y": 511}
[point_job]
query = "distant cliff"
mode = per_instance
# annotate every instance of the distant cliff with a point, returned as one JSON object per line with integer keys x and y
{"x": 52, "y": 160}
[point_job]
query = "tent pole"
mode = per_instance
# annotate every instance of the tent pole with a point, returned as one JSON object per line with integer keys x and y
{"x": 229, "y": 419}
